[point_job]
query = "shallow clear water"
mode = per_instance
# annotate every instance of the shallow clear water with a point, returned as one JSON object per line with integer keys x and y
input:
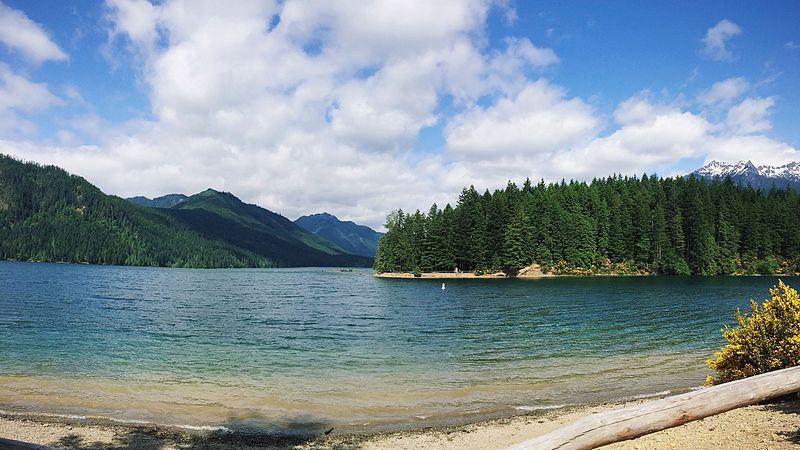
{"x": 306, "y": 348}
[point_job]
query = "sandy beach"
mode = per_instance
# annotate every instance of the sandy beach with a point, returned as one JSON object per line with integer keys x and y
{"x": 773, "y": 425}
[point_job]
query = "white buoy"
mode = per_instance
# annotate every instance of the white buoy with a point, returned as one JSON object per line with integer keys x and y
{"x": 442, "y": 286}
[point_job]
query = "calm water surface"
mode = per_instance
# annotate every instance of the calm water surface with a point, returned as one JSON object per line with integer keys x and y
{"x": 308, "y": 348}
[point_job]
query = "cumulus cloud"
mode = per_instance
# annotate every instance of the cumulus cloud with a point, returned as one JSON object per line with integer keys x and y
{"x": 18, "y": 95}
{"x": 716, "y": 40}
{"x": 20, "y": 33}
{"x": 389, "y": 108}
{"x": 539, "y": 119}
{"x": 723, "y": 93}
{"x": 760, "y": 149}
{"x": 652, "y": 137}
{"x": 520, "y": 53}
{"x": 750, "y": 116}
{"x": 639, "y": 109}
{"x": 134, "y": 19}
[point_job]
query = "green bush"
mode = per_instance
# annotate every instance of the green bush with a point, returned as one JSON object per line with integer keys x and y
{"x": 766, "y": 340}
{"x": 417, "y": 272}
{"x": 768, "y": 265}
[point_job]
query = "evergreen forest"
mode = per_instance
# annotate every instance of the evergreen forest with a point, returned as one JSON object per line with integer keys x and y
{"x": 615, "y": 225}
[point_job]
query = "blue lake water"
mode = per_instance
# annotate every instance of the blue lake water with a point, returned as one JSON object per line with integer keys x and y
{"x": 305, "y": 348}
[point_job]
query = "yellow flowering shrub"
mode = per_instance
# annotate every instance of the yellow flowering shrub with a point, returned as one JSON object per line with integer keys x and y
{"x": 605, "y": 267}
{"x": 564, "y": 268}
{"x": 766, "y": 340}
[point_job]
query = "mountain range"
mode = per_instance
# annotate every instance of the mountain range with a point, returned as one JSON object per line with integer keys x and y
{"x": 747, "y": 173}
{"x": 165, "y": 201}
{"x": 348, "y": 236}
{"x": 351, "y": 237}
{"x": 46, "y": 214}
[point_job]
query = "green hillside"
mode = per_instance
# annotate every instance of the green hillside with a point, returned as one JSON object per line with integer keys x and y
{"x": 165, "y": 201}
{"x": 47, "y": 214}
{"x": 222, "y": 216}
{"x": 353, "y": 238}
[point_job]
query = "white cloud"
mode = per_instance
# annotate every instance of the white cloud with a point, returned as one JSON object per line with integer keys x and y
{"x": 750, "y": 116}
{"x": 723, "y": 93}
{"x": 19, "y": 32}
{"x": 388, "y": 109}
{"x": 509, "y": 12}
{"x": 521, "y": 53}
{"x": 655, "y": 137}
{"x": 639, "y": 109}
{"x": 539, "y": 119}
{"x": 759, "y": 149}
{"x": 715, "y": 41}
{"x": 18, "y": 93}
{"x": 135, "y": 19}
{"x": 652, "y": 138}
{"x": 18, "y": 96}
{"x": 365, "y": 33}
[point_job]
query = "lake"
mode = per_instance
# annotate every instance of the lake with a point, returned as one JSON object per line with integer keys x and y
{"x": 305, "y": 349}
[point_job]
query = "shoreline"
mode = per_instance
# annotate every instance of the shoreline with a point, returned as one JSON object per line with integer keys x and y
{"x": 503, "y": 276}
{"x": 771, "y": 425}
{"x": 533, "y": 271}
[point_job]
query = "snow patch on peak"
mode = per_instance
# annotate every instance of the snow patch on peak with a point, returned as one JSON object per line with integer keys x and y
{"x": 742, "y": 168}
{"x": 718, "y": 168}
{"x": 715, "y": 168}
{"x": 790, "y": 171}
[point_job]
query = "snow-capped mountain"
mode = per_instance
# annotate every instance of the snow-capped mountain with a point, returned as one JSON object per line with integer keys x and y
{"x": 745, "y": 172}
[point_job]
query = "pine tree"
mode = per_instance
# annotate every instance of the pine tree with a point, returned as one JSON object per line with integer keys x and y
{"x": 515, "y": 244}
{"x": 433, "y": 236}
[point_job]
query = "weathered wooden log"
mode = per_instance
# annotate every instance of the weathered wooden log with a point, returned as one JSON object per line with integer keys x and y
{"x": 631, "y": 422}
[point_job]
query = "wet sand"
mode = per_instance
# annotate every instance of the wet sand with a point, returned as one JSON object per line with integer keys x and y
{"x": 774, "y": 425}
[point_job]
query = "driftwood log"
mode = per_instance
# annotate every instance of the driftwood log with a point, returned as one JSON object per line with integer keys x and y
{"x": 630, "y": 422}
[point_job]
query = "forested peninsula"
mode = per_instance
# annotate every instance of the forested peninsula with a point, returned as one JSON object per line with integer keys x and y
{"x": 614, "y": 225}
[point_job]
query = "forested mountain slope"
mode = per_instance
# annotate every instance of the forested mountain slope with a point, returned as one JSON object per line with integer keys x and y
{"x": 165, "y": 201}
{"x": 47, "y": 214}
{"x": 353, "y": 238}
{"x": 220, "y": 215}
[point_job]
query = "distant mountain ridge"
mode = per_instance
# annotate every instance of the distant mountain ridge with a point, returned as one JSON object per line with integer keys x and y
{"x": 165, "y": 201}
{"x": 46, "y": 214}
{"x": 221, "y": 215}
{"x": 351, "y": 237}
{"x": 747, "y": 173}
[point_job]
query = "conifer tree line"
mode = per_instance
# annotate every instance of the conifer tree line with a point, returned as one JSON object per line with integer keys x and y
{"x": 614, "y": 225}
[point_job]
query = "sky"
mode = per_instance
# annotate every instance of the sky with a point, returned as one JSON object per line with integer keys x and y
{"x": 361, "y": 107}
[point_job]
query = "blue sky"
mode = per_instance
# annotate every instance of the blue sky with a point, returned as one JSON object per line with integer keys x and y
{"x": 359, "y": 108}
